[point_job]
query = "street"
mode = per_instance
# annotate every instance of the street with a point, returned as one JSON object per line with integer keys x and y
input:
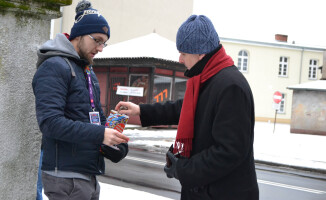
{"x": 143, "y": 171}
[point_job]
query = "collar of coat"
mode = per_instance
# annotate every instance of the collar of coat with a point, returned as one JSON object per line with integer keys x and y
{"x": 199, "y": 66}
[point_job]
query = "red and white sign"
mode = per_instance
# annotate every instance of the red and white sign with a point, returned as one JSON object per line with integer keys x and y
{"x": 277, "y": 97}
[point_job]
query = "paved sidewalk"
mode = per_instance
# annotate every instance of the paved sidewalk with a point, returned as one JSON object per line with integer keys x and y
{"x": 301, "y": 151}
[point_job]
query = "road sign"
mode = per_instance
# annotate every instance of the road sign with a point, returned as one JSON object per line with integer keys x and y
{"x": 276, "y": 106}
{"x": 277, "y": 97}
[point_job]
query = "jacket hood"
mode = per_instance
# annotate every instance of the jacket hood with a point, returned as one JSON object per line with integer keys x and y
{"x": 59, "y": 46}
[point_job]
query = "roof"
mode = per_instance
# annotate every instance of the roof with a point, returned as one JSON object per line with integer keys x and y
{"x": 148, "y": 46}
{"x": 313, "y": 85}
{"x": 273, "y": 44}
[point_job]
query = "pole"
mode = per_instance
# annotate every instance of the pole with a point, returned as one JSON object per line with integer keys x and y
{"x": 275, "y": 120}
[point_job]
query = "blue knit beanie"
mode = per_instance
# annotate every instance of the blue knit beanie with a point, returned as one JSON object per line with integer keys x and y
{"x": 88, "y": 20}
{"x": 197, "y": 35}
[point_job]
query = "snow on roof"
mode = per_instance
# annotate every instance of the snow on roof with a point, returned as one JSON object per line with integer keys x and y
{"x": 149, "y": 46}
{"x": 313, "y": 85}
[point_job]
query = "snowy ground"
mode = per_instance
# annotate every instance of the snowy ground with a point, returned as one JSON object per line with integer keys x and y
{"x": 280, "y": 146}
{"x": 283, "y": 147}
{"x": 301, "y": 150}
{"x": 115, "y": 192}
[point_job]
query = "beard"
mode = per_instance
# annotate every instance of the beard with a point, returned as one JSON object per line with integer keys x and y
{"x": 83, "y": 54}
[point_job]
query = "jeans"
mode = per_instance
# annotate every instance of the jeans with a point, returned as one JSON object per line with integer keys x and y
{"x": 39, "y": 180}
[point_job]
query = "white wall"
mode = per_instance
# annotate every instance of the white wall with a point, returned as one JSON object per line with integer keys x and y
{"x": 133, "y": 18}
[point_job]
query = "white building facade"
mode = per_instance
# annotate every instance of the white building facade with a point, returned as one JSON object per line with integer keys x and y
{"x": 271, "y": 67}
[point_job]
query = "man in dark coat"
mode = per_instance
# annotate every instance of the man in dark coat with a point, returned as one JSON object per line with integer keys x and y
{"x": 213, "y": 152}
{"x": 68, "y": 109}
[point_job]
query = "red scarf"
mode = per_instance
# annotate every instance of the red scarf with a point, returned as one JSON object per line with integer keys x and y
{"x": 185, "y": 133}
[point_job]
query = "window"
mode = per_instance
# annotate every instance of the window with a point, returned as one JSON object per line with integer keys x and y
{"x": 312, "y": 69}
{"x": 283, "y": 67}
{"x": 180, "y": 88}
{"x": 282, "y": 105}
{"x": 139, "y": 80}
{"x": 162, "y": 88}
{"x": 243, "y": 61}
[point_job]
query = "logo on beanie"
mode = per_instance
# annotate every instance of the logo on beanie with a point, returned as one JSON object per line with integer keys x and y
{"x": 88, "y": 12}
{"x": 105, "y": 29}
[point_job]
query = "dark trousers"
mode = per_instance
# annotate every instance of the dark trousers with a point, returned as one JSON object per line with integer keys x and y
{"x": 56, "y": 188}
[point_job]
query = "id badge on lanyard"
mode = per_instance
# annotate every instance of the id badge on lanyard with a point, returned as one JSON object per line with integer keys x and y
{"x": 94, "y": 116}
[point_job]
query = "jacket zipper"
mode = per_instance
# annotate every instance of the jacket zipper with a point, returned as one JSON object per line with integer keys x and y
{"x": 94, "y": 93}
{"x": 98, "y": 100}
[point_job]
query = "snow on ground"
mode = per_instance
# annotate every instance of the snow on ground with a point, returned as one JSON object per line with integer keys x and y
{"x": 116, "y": 192}
{"x": 111, "y": 192}
{"x": 280, "y": 146}
{"x": 302, "y": 150}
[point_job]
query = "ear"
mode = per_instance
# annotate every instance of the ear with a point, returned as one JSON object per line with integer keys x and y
{"x": 201, "y": 56}
{"x": 75, "y": 42}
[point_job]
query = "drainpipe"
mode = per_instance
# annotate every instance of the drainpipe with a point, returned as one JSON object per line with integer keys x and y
{"x": 323, "y": 70}
{"x": 301, "y": 62}
{"x": 61, "y": 19}
{"x": 52, "y": 29}
{"x": 52, "y": 24}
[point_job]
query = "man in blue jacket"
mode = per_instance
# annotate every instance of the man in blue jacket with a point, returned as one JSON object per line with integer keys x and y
{"x": 68, "y": 109}
{"x": 213, "y": 154}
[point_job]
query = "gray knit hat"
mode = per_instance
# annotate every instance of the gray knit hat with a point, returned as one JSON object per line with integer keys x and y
{"x": 197, "y": 35}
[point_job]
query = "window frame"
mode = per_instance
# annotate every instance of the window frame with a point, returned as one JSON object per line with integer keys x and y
{"x": 146, "y": 89}
{"x": 312, "y": 68}
{"x": 281, "y": 66}
{"x": 175, "y": 84}
{"x": 242, "y": 57}
{"x": 282, "y": 105}
{"x": 169, "y": 91}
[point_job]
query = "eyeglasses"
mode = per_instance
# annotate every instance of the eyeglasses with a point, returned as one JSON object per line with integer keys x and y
{"x": 98, "y": 42}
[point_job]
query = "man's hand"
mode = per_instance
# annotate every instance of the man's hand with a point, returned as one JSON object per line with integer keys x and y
{"x": 113, "y": 137}
{"x": 128, "y": 108}
{"x": 171, "y": 171}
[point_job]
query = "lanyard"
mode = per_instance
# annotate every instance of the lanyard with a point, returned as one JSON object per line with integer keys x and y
{"x": 89, "y": 80}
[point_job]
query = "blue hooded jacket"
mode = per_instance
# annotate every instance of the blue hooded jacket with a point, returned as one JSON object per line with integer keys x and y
{"x": 70, "y": 142}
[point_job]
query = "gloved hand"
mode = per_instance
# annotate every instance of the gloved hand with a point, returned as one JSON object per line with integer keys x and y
{"x": 113, "y": 154}
{"x": 170, "y": 167}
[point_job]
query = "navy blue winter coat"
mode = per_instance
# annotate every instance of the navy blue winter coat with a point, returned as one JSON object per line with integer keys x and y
{"x": 70, "y": 142}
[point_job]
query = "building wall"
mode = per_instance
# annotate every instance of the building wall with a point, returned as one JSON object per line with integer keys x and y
{"x": 309, "y": 112}
{"x": 22, "y": 30}
{"x": 133, "y": 18}
{"x": 262, "y": 74}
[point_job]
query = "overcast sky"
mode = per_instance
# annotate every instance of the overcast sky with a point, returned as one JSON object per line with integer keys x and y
{"x": 304, "y": 21}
